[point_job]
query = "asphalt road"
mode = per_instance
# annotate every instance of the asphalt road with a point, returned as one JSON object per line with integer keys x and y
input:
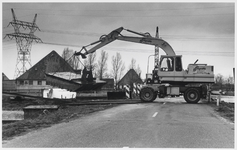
{"x": 166, "y": 124}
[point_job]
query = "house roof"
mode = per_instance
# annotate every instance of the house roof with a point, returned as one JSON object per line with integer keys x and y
{"x": 130, "y": 77}
{"x": 51, "y": 63}
{"x": 4, "y": 77}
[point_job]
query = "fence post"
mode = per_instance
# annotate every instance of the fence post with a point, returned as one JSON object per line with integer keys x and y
{"x": 208, "y": 93}
{"x": 218, "y": 99}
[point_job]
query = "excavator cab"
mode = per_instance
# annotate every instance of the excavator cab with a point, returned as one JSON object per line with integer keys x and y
{"x": 169, "y": 68}
{"x": 171, "y": 63}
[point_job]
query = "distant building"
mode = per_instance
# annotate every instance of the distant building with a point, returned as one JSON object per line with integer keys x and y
{"x": 8, "y": 85}
{"x": 109, "y": 86}
{"x": 4, "y": 77}
{"x": 129, "y": 83}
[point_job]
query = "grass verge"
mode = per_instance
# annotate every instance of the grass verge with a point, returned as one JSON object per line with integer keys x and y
{"x": 63, "y": 114}
{"x": 226, "y": 110}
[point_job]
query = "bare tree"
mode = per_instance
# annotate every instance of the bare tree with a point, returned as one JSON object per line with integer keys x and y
{"x": 117, "y": 68}
{"x": 102, "y": 64}
{"x": 138, "y": 70}
{"x": 73, "y": 61}
{"x": 229, "y": 84}
{"x": 133, "y": 64}
{"x": 219, "y": 79}
{"x": 108, "y": 75}
{"x": 230, "y": 80}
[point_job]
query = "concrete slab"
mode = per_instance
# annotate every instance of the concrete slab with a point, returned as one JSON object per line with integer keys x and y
{"x": 12, "y": 115}
{"x": 33, "y": 111}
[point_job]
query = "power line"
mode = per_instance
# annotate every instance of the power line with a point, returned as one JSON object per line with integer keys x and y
{"x": 71, "y": 32}
{"x": 208, "y": 53}
{"x": 50, "y": 43}
{"x": 142, "y": 16}
{"x": 177, "y": 37}
{"x": 226, "y": 53}
{"x": 113, "y": 10}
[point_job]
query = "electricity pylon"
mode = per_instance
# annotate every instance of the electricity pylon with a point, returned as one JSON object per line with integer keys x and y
{"x": 23, "y": 42}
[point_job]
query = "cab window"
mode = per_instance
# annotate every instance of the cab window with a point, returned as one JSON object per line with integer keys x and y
{"x": 167, "y": 64}
{"x": 178, "y": 64}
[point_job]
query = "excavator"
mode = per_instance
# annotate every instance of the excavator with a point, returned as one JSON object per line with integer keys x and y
{"x": 168, "y": 77}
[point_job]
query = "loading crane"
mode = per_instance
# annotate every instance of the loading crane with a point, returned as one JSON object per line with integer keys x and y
{"x": 169, "y": 77}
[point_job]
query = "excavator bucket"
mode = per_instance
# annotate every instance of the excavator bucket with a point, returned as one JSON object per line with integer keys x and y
{"x": 62, "y": 80}
{"x": 90, "y": 86}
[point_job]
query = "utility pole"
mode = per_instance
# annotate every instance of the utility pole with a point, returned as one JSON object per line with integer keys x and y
{"x": 157, "y": 50}
{"x": 23, "y": 42}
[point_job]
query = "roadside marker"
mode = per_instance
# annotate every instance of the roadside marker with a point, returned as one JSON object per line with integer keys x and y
{"x": 155, "y": 114}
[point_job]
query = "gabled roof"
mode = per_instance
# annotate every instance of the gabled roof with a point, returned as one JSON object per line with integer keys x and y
{"x": 4, "y": 77}
{"x": 53, "y": 62}
{"x": 130, "y": 77}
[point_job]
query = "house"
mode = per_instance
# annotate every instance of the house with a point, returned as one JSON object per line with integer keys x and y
{"x": 7, "y": 84}
{"x": 130, "y": 83}
{"x": 4, "y": 77}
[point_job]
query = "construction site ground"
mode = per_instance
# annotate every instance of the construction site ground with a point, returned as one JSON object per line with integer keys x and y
{"x": 73, "y": 109}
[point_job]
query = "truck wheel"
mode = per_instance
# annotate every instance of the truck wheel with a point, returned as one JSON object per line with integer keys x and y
{"x": 148, "y": 94}
{"x": 192, "y": 95}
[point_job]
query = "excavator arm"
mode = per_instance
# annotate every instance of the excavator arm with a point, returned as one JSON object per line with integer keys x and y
{"x": 116, "y": 35}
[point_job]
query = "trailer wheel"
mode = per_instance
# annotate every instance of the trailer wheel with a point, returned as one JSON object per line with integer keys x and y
{"x": 192, "y": 95}
{"x": 148, "y": 94}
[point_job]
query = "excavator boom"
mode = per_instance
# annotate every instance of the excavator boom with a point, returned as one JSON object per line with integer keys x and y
{"x": 116, "y": 35}
{"x": 150, "y": 41}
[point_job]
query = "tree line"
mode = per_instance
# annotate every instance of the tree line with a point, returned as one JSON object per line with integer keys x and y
{"x": 223, "y": 83}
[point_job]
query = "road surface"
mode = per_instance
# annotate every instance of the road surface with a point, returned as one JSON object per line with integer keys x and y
{"x": 165, "y": 124}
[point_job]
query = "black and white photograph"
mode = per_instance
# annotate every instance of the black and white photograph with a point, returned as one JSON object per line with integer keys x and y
{"x": 118, "y": 74}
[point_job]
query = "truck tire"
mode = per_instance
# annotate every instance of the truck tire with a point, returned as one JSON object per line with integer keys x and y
{"x": 192, "y": 95}
{"x": 148, "y": 94}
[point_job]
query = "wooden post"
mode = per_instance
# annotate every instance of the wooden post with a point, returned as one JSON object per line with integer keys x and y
{"x": 208, "y": 93}
{"x": 219, "y": 99}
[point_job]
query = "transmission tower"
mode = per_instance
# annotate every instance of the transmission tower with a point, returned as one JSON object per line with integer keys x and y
{"x": 23, "y": 42}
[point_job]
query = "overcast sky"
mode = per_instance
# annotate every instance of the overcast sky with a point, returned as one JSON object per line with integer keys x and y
{"x": 203, "y": 31}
